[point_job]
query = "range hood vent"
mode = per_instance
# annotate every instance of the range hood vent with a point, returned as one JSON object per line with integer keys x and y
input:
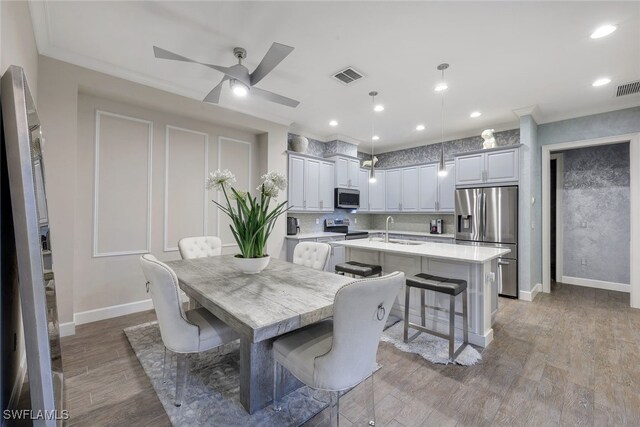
{"x": 348, "y": 75}
{"x": 628, "y": 88}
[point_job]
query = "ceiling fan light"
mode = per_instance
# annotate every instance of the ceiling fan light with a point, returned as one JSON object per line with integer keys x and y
{"x": 238, "y": 88}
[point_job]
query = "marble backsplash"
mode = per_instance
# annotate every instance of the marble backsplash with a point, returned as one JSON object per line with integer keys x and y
{"x": 596, "y": 213}
{"x": 412, "y": 222}
{"x": 366, "y": 221}
{"x": 308, "y": 220}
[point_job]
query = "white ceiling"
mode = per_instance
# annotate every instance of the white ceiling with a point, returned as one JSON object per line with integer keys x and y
{"x": 503, "y": 56}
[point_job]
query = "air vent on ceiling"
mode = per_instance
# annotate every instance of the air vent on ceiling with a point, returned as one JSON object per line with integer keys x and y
{"x": 628, "y": 88}
{"x": 348, "y": 75}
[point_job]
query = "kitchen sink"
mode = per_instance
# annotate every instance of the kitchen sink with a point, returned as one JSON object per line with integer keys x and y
{"x": 406, "y": 242}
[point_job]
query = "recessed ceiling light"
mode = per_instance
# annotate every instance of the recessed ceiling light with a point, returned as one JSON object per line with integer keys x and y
{"x": 333, "y": 123}
{"x": 440, "y": 87}
{"x": 603, "y": 31}
{"x": 420, "y": 127}
{"x": 601, "y": 82}
{"x": 475, "y": 114}
{"x": 378, "y": 107}
{"x": 375, "y": 137}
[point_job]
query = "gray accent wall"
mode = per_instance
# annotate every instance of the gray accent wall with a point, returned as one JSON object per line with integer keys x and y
{"x": 612, "y": 123}
{"x": 596, "y": 209}
{"x": 431, "y": 153}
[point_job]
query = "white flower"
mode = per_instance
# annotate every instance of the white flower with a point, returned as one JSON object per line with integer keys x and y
{"x": 219, "y": 179}
{"x": 272, "y": 183}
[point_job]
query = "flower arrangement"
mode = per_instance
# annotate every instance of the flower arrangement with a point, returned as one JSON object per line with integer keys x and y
{"x": 252, "y": 222}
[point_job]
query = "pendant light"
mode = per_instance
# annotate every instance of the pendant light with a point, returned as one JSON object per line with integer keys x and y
{"x": 442, "y": 168}
{"x": 372, "y": 173}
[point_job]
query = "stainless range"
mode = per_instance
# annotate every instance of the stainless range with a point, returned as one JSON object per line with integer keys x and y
{"x": 342, "y": 226}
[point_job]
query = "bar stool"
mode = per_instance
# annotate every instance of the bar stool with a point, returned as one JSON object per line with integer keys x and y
{"x": 358, "y": 269}
{"x": 451, "y": 287}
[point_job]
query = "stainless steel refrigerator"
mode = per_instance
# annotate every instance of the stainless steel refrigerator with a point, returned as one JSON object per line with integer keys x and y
{"x": 489, "y": 217}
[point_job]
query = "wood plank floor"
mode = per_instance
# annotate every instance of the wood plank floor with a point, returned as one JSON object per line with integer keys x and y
{"x": 571, "y": 357}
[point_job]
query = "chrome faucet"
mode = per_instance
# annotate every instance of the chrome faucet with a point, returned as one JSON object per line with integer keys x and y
{"x": 386, "y": 235}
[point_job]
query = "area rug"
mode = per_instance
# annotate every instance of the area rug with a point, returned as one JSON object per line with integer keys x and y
{"x": 431, "y": 348}
{"x": 211, "y": 397}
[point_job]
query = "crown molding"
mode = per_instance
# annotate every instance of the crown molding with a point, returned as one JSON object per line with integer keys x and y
{"x": 531, "y": 110}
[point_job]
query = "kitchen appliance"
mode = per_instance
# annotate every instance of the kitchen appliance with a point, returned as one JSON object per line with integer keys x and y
{"x": 436, "y": 226}
{"x": 342, "y": 226}
{"x": 489, "y": 217}
{"x": 347, "y": 198}
{"x": 293, "y": 226}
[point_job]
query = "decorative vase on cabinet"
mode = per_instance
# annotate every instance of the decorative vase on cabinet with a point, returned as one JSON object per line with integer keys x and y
{"x": 299, "y": 144}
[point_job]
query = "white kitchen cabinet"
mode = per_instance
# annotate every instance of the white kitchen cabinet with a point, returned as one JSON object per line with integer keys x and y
{"x": 428, "y": 187}
{"x": 447, "y": 189}
{"x": 310, "y": 184}
{"x": 346, "y": 172}
{"x": 470, "y": 169}
{"x": 296, "y": 183}
{"x": 502, "y": 166}
{"x": 410, "y": 199}
{"x": 326, "y": 186}
{"x": 394, "y": 190}
{"x": 377, "y": 192}
{"x": 363, "y": 186}
{"x": 491, "y": 167}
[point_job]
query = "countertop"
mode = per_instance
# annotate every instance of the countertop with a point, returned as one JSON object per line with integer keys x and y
{"x": 448, "y": 251}
{"x": 320, "y": 234}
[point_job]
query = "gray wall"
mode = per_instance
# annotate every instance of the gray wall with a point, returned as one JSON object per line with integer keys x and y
{"x": 596, "y": 209}
{"x": 431, "y": 153}
{"x": 601, "y": 125}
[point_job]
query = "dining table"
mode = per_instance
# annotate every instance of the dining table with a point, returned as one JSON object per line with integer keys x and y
{"x": 259, "y": 307}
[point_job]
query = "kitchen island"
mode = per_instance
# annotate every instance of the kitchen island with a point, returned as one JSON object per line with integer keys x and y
{"x": 476, "y": 264}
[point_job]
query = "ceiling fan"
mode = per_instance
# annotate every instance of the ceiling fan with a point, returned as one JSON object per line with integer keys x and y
{"x": 241, "y": 81}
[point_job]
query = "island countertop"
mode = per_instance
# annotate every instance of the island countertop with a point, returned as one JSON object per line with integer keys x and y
{"x": 473, "y": 254}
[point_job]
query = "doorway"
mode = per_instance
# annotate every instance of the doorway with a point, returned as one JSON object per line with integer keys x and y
{"x": 572, "y": 250}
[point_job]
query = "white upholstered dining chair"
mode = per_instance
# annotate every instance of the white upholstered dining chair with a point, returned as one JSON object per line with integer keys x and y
{"x": 200, "y": 247}
{"x": 312, "y": 254}
{"x": 183, "y": 333}
{"x": 338, "y": 354}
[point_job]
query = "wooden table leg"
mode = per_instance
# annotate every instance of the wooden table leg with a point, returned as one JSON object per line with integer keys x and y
{"x": 256, "y": 375}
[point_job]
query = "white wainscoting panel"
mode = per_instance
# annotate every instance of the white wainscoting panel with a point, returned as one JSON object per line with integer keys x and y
{"x": 122, "y": 185}
{"x": 185, "y": 195}
{"x": 234, "y": 155}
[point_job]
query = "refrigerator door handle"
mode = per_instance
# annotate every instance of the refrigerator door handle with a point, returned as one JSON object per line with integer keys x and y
{"x": 500, "y": 275}
{"x": 484, "y": 214}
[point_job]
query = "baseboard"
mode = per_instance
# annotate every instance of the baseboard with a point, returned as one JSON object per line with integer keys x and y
{"x": 530, "y": 295}
{"x": 599, "y": 284}
{"x": 16, "y": 391}
{"x": 67, "y": 329}
{"x": 104, "y": 313}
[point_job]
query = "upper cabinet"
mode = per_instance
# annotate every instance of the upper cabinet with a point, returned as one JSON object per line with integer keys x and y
{"x": 491, "y": 167}
{"x": 409, "y": 186}
{"x": 311, "y": 183}
{"x": 436, "y": 193}
{"x": 377, "y": 192}
{"x": 363, "y": 186}
{"x": 346, "y": 171}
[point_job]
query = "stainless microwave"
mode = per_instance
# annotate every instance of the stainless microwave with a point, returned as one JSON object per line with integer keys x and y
{"x": 346, "y": 198}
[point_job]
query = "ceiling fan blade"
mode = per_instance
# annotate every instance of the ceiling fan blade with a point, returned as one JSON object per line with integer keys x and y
{"x": 234, "y": 73}
{"x": 274, "y": 97}
{"x": 276, "y": 53}
{"x": 213, "y": 97}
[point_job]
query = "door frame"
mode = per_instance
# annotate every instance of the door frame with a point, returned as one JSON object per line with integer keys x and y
{"x": 559, "y": 158}
{"x": 634, "y": 189}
